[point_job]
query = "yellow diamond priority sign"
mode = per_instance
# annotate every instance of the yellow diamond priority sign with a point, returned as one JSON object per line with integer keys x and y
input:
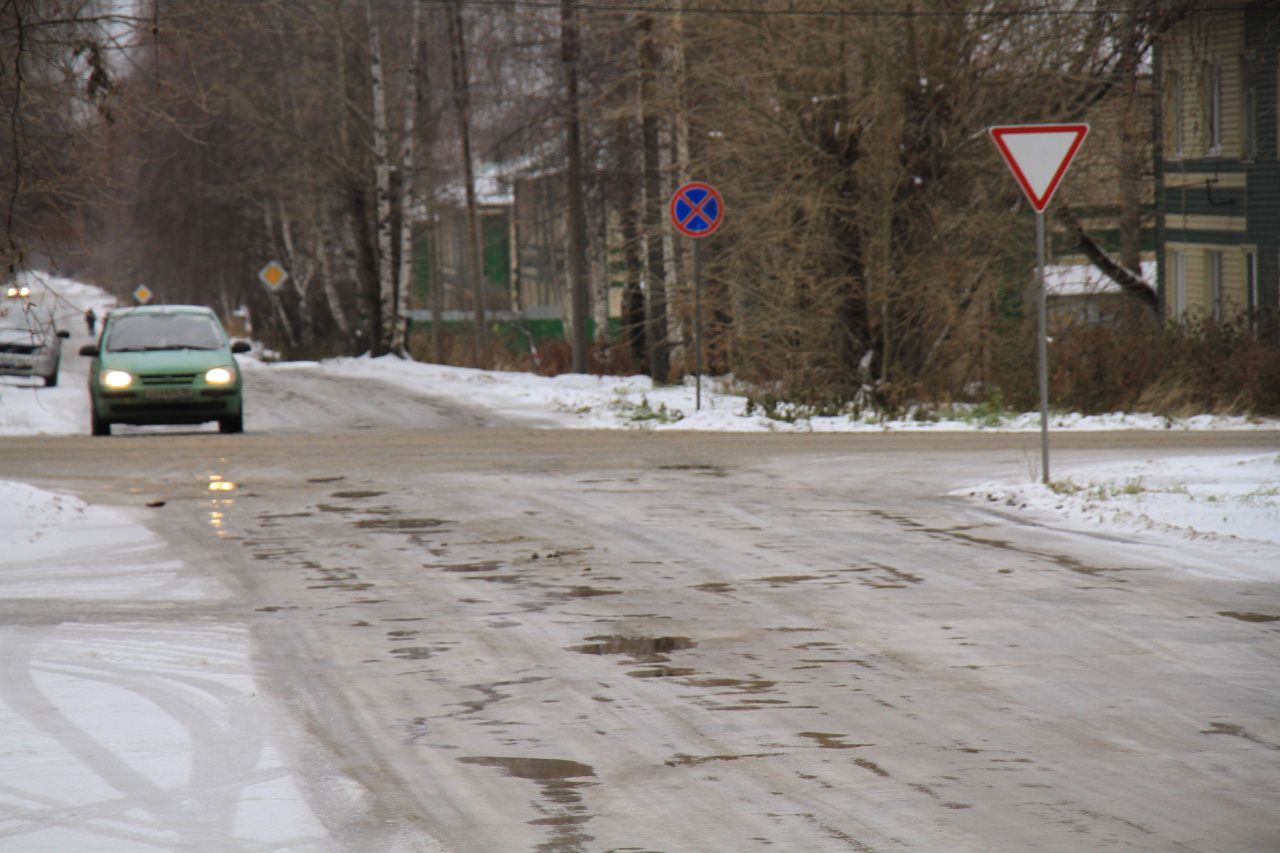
{"x": 273, "y": 275}
{"x": 142, "y": 294}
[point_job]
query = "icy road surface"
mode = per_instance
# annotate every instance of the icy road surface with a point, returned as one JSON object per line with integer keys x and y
{"x": 401, "y": 614}
{"x": 584, "y": 641}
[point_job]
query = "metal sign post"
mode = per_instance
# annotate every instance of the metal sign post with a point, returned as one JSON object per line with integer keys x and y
{"x": 1042, "y": 352}
{"x": 697, "y": 211}
{"x": 1038, "y": 155}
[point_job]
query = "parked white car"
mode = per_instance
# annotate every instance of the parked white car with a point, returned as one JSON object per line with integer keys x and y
{"x": 30, "y": 342}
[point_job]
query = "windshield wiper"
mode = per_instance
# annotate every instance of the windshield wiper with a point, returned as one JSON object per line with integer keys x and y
{"x": 163, "y": 348}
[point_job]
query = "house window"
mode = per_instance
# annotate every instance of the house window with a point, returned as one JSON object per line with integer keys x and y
{"x": 1213, "y": 106}
{"x": 1178, "y": 283}
{"x": 1175, "y": 112}
{"x": 1213, "y": 272}
{"x": 1249, "y": 109}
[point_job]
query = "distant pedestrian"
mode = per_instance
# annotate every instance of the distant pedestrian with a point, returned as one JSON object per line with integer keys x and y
{"x": 90, "y": 320}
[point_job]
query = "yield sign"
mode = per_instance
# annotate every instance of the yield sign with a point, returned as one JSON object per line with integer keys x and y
{"x": 1038, "y": 155}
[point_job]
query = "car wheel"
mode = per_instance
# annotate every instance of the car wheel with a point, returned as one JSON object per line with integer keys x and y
{"x": 51, "y": 381}
{"x": 100, "y": 427}
{"x": 234, "y": 424}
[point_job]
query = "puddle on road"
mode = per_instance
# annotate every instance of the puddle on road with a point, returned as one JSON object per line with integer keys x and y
{"x": 587, "y": 592}
{"x": 734, "y": 685}
{"x": 682, "y": 760}
{"x": 485, "y": 566}
{"x": 536, "y": 769}
{"x": 326, "y": 479}
{"x": 357, "y": 494}
{"x": 638, "y": 649}
{"x": 871, "y": 765}
{"x": 706, "y": 470}
{"x": 832, "y": 740}
{"x": 421, "y": 652}
{"x": 1237, "y": 731}
{"x": 1249, "y": 617}
{"x": 778, "y": 580}
{"x": 662, "y": 672}
{"x": 401, "y": 524}
{"x": 715, "y": 586}
{"x": 559, "y": 779}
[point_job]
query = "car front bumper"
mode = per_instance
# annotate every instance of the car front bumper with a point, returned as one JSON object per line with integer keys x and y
{"x": 167, "y": 405}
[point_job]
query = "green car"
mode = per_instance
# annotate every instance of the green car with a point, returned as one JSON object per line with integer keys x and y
{"x": 164, "y": 364}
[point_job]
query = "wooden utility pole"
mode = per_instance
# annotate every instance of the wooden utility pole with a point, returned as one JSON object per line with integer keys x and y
{"x": 577, "y": 214}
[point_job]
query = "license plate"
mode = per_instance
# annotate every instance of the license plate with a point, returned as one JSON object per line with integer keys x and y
{"x": 167, "y": 393}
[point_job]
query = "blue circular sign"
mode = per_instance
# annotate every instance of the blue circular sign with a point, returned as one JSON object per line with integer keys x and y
{"x": 697, "y": 209}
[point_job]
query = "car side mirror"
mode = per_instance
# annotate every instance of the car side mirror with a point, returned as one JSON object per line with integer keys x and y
{"x": 239, "y": 347}
{"x": 89, "y": 349}
{"x": 64, "y": 334}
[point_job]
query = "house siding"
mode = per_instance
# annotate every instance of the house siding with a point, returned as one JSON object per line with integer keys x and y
{"x": 1217, "y": 200}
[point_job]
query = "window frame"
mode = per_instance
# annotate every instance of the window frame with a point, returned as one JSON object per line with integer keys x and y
{"x": 1213, "y": 107}
{"x": 1214, "y": 271}
{"x": 1177, "y": 106}
{"x": 1248, "y": 108}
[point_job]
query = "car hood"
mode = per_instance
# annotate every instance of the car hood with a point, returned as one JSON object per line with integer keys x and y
{"x": 21, "y": 336}
{"x": 166, "y": 361}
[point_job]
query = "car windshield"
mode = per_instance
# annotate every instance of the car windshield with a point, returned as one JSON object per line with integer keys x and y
{"x": 139, "y": 332}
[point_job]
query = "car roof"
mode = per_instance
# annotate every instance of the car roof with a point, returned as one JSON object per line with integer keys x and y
{"x": 163, "y": 309}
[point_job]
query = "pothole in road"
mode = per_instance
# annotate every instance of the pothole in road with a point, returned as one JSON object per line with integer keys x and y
{"x": 564, "y": 812}
{"x": 831, "y": 740}
{"x": 587, "y": 592}
{"x": 662, "y": 672}
{"x": 638, "y": 649}
{"x": 1249, "y": 617}
{"x": 485, "y": 566}
{"x": 535, "y": 769}
{"x": 356, "y": 494}
{"x": 421, "y": 652}
{"x": 734, "y": 685}
{"x": 401, "y": 524}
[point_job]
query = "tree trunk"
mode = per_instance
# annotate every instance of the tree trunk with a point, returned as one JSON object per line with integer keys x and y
{"x": 655, "y": 276}
{"x": 1129, "y": 280}
{"x": 577, "y": 214}
{"x": 462, "y": 103}
{"x": 331, "y": 295}
{"x": 1132, "y": 153}
{"x": 382, "y": 190}
{"x": 408, "y": 196}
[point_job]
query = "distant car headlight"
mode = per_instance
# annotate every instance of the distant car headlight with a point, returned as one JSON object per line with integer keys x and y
{"x": 220, "y": 376}
{"x": 116, "y": 379}
{"x": 19, "y": 291}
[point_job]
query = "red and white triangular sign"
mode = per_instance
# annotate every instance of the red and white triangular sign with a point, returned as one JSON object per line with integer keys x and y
{"x": 1038, "y": 155}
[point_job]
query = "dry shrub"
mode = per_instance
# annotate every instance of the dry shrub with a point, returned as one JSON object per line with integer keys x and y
{"x": 1133, "y": 364}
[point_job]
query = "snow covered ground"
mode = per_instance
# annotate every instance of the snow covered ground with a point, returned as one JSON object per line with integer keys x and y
{"x": 1227, "y": 503}
{"x": 119, "y": 733}
{"x": 632, "y": 402}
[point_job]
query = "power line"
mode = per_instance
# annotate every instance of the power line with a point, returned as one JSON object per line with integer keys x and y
{"x": 1020, "y": 10}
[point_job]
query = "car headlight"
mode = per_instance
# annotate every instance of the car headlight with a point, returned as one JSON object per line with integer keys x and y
{"x": 220, "y": 376}
{"x": 116, "y": 379}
